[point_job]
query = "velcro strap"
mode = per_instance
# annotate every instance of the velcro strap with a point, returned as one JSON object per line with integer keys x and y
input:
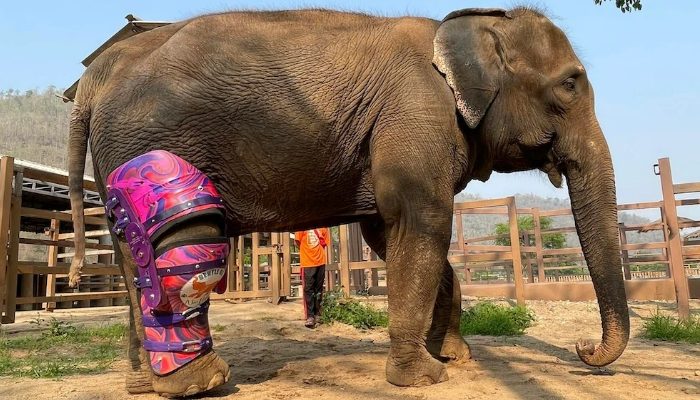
{"x": 192, "y": 268}
{"x": 192, "y": 346}
{"x": 155, "y": 320}
{"x": 165, "y": 214}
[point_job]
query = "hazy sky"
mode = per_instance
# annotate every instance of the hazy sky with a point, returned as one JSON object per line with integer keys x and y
{"x": 644, "y": 67}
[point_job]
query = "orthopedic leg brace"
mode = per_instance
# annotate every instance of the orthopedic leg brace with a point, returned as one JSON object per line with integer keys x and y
{"x": 146, "y": 197}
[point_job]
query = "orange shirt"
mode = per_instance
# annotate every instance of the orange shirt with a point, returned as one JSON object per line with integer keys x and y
{"x": 312, "y": 246}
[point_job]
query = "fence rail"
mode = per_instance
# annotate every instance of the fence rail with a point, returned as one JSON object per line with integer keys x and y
{"x": 266, "y": 264}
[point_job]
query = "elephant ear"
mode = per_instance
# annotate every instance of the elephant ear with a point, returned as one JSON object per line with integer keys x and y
{"x": 466, "y": 51}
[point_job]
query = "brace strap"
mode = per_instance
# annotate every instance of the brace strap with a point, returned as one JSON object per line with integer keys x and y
{"x": 156, "y": 319}
{"x": 163, "y": 215}
{"x": 192, "y": 346}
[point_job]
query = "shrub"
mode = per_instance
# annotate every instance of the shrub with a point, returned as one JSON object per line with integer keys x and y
{"x": 668, "y": 328}
{"x": 495, "y": 320}
{"x": 335, "y": 308}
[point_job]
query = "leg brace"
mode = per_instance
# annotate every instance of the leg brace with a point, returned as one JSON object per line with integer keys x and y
{"x": 146, "y": 197}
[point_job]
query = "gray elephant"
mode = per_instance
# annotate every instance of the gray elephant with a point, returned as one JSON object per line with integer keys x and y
{"x": 314, "y": 118}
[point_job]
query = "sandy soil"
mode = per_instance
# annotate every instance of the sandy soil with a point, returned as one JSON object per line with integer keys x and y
{"x": 274, "y": 357}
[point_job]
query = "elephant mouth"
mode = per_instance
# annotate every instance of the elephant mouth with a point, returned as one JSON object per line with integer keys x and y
{"x": 556, "y": 177}
{"x": 545, "y": 157}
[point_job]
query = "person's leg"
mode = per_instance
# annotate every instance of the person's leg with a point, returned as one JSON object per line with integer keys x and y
{"x": 307, "y": 278}
{"x": 318, "y": 289}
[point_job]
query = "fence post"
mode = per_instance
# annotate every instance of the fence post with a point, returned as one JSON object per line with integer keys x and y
{"x": 6, "y": 173}
{"x": 515, "y": 251}
{"x": 274, "y": 280}
{"x": 240, "y": 258}
{"x": 286, "y": 290}
{"x": 538, "y": 246}
{"x": 528, "y": 261}
{"x": 344, "y": 259}
{"x": 13, "y": 250}
{"x": 625, "y": 252}
{"x": 52, "y": 261}
{"x": 675, "y": 246}
{"x": 254, "y": 277}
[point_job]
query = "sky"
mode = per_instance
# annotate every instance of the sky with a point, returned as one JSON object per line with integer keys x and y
{"x": 643, "y": 67}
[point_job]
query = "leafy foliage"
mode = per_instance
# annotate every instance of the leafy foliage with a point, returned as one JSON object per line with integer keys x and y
{"x": 495, "y": 320}
{"x": 527, "y": 223}
{"x": 61, "y": 349}
{"x": 335, "y": 308}
{"x": 668, "y": 328}
{"x": 625, "y": 5}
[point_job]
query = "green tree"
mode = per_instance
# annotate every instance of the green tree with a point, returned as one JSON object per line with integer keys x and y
{"x": 625, "y": 5}
{"x": 549, "y": 240}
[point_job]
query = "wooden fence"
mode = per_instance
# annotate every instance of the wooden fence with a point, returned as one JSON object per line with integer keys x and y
{"x": 265, "y": 265}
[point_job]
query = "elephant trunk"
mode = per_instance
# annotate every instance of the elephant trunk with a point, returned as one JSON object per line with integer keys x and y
{"x": 591, "y": 184}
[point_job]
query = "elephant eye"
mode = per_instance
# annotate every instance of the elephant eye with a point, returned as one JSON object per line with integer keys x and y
{"x": 569, "y": 84}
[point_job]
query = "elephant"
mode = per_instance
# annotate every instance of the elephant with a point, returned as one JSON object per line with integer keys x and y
{"x": 310, "y": 118}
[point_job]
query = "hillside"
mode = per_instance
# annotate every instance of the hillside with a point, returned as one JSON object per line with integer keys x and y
{"x": 34, "y": 127}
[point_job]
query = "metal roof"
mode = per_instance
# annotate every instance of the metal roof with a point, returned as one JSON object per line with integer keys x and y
{"x": 133, "y": 27}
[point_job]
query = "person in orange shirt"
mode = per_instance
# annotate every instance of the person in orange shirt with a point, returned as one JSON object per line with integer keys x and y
{"x": 312, "y": 257}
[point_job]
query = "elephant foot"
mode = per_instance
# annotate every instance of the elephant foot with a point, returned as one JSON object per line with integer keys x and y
{"x": 138, "y": 382}
{"x": 414, "y": 368}
{"x": 452, "y": 349}
{"x": 202, "y": 374}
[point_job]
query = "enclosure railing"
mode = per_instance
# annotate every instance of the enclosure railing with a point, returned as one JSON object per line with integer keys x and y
{"x": 516, "y": 264}
{"x": 31, "y": 283}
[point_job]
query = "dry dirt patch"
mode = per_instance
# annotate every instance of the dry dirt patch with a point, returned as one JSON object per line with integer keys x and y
{"x": 274, "y": 357}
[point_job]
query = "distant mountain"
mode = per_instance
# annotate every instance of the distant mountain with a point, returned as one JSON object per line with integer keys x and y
{"x": 484, "y": 225}
{"x": 34, "y": 127}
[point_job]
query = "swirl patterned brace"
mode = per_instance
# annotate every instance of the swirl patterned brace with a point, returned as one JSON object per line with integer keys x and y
{"x": 159, "y": 181}
{"x": 146, "y": 194}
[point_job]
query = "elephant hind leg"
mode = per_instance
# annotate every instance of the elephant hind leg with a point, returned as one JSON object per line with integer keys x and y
{"x": 445, "y": 342}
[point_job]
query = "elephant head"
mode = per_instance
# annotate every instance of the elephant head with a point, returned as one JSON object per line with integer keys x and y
{"x": 525, "y": 99}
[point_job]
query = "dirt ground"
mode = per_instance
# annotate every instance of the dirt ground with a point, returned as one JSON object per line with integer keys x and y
{"x": 274, "y": 357}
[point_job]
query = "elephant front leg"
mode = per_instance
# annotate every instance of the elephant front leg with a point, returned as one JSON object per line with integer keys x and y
{"x": 417, "y": 233}
{"x": 445, "y": 341}
{"x": 414, "y": 269}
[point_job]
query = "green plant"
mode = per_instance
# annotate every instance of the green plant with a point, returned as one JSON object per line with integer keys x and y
{"x": 495, "y": 320}
{"x": 527, "y": 223}
{"x": 61, "y": 349}
{"x": 335, "y": 308}
{"x": 668, "y": 328}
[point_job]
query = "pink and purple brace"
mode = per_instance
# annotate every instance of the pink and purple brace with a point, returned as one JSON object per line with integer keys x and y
{"x": 147, "y": 196}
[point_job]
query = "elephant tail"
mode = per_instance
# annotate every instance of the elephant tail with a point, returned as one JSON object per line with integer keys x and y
{"x": 77, "y": 152}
